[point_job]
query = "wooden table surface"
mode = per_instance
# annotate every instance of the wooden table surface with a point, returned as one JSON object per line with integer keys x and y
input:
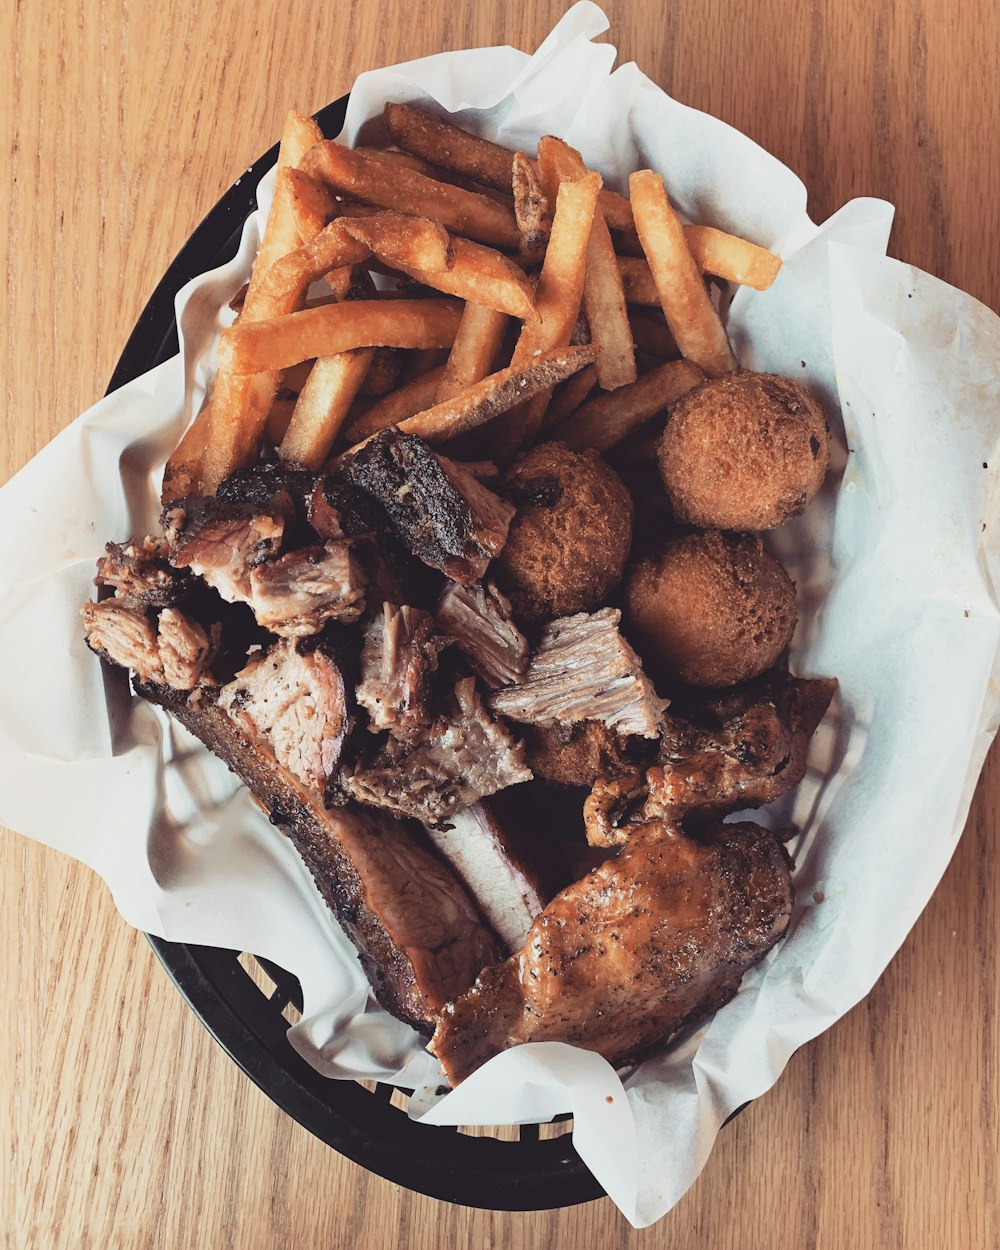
{"x": 125, "y": 1125}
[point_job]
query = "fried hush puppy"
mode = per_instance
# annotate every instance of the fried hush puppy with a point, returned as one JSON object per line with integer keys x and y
{"x": 575, "y": 755}
{"x": 713, "y": 609}
{"x": 747, "y": 451}
{"x": 567, "y": 545}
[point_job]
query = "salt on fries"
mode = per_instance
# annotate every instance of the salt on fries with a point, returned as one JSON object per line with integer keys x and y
{"x": 465, "y": 285}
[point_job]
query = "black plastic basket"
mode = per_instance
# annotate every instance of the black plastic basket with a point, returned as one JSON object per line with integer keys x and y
{"x": 248, "y": 1015}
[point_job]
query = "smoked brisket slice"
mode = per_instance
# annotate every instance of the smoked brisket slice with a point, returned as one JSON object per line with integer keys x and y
{"x": 742, "y": 748}
{"x": 398, "y": 662}
{"x": 419, "y": 937}
{"x": 297, "y": 593}
{"x": 464, "y": 756}
{"x": 293, "y": 703}
{"x": 652, "y": 940}
{"x": 442, "y": 514}
{"x": 583, "y": 669}
{"x": 170, "y": 648}
{"x": 478, "y": 619}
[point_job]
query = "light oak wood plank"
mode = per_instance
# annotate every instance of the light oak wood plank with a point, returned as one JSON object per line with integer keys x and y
{"x": 125, "y": 1125}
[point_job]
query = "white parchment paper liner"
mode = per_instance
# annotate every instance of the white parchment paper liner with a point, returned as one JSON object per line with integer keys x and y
{"x": 896, "y": 566}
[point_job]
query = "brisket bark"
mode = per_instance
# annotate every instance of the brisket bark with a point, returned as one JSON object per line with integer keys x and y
{"x": 441, "y": 513}
{"x": 419, "y": 937}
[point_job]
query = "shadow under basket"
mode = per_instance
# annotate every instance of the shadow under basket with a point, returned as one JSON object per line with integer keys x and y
{"x": 248, "y": 1004}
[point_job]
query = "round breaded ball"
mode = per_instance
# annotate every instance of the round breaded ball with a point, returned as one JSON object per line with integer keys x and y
{"x": 574, "y": 755}
{"x": 747, "y": 451}
{"x": 568, "y": 543}
{"x": 713, "y": 609}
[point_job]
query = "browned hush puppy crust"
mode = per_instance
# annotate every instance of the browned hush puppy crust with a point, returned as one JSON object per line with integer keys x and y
{"x": 747, "y": 451}
{"x": 574, "y": 755}
{"x": 714, "y": 609}
{"x": 567, "y": 545}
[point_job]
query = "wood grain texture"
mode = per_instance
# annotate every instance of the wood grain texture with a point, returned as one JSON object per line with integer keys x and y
{"x": 124, "y": 1124}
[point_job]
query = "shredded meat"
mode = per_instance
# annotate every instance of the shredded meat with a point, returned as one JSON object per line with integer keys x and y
{"x": 443, "y": 515}
{"x": 399, "y": 658}
{"x": 293, "y": 702}
{"x": 477, "y": 618}
{"x": 222, "y": 542}
{"x": 742, "y": 749}
{"x": 646, "y": 943}
{"x": 140, "y": 575}
{"x": 585, "y": 670}
{"x": 173, "y": 650}
{"x": 296, "y": 594}
{"x": 464, "y": 756}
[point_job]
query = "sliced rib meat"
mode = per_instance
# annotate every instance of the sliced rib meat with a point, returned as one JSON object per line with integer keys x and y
{"x": 418, "y": 934}
{"x": 293, "y": 703}
{"x": 398, "y": 660}
{"x": 440, "y": 512}
{"x": 645, "y": 944}
{"x": 464, "y": 756}
{"x": 296, "y": 594}
{"x": 497, "y": 868}
{"x": 140, "y": 575}
{"x": 584, "y": 670}
{"x": 742, "y": 749}
{"x": 478, "y": 619}
{"x": 173, "y": 650}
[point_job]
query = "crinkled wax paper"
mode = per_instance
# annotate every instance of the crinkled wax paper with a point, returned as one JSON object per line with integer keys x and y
{"x": 896, "y": 565}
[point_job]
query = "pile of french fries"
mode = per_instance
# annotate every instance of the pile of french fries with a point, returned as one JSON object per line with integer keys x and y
{"x": 444, "y": 284}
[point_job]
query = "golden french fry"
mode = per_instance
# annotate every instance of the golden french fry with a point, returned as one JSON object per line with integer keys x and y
{"x": 406, "y": 401}
{"x": 651, "y": 334}
{"x": 300, "y": 133}
{"x": 443, "y": 144}
{"x": 569, "y": 396}
{"x": 607, "y": 418}
{"x": 640, "y": 448}
{"x": 732, "y": 258}
{"x": 532, "y": 210}
{"x": 285, "y": 284}
{"x": 494, "y": 395}
{"x": 692, "y": 318}
{"x": 714, "y": 252}
{"x": 335, "y": 328}
{"x": 603, "y": 294}
{"x": 557, "y": 302}
{"x": 322, "y": 406}
{"x": 481, "y": 275}
{"x": 439, "y": 142}
{"x": 401, "y": 240}
{"x": 182, "y": 472}
{"x": 477, "y": 342}
{"x": 367, "y": 176}
{"x": 240, "y": 405}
